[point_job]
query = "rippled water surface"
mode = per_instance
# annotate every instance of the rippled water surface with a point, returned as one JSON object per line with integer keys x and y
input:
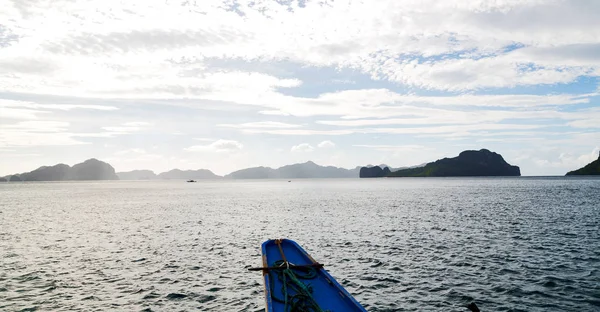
{"x": 510, "y": 244}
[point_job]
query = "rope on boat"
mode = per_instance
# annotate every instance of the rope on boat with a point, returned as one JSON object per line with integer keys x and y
{"x": 301, "y": 300}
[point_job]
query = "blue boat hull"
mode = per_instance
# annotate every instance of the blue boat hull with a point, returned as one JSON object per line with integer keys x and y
{"x": 325, "y": 291}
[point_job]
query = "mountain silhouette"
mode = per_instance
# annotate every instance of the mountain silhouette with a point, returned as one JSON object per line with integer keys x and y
{"x": 91, "y": 169}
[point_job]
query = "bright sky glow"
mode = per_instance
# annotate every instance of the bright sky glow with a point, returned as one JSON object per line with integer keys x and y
{"x": 226, "y": 84}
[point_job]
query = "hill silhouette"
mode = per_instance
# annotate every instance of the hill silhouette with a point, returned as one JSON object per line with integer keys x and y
{"x": 177, "y": 174}
{"x": 91, "y": 169}
{"x": 137, "y": 175}
{"x": 592, "y": 168}
{"x": 467, "y": 163}
{"x": 308, "y": 169}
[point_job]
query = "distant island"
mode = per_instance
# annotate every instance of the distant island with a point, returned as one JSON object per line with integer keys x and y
{"x": 374, "y": 172}
{"x": 94, "y": 169}
{"x": 592, "y": 168}
{"x": 137, "y": 175}
{"x": 308, "y": 170}
{"x": 296, "y": 171}
{"x": 466, "y": 164}
{"x": 381, "y": 170}
{"x": 91, "y": 169}
{"x": 177, "y": 174}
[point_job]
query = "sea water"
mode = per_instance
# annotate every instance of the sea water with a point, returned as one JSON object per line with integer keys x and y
{"x": 406, "y": 244}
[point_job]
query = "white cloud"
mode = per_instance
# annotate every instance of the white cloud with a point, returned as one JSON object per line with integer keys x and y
{"x": 38, "y": 126}
{"x": 37, "y": 133}
{"x": 131, "y": 151}
{"x": 419, "y": 131}
{"x": 205, "y": 139}
{"x": 593, "y": 122}
{"x": 276, "y": 112}
{"x": 564, "y": 160}
{"x": 378, "y": 103}
{"x": 136, "y": 158}
{"x": 261, "y": 124}
{"x": 128, "y": 127}
{"x": 303, "y": 147}
{"x": 401, "y": 41}
{"x": 393, "y": 148}
{"x": 66, "y": 107}
{"x": 12, "y": 109}
{"x": 585, "y": 159}
{"x": 18, "y": 113}
{"x": 306, "y": 132}
{"x": 121, "y": 129}
{"x": 326, "y": 144}
{"x": 217, "y": 146}
{"x": 137, "y": 124}
{"x": 343, "y": 81}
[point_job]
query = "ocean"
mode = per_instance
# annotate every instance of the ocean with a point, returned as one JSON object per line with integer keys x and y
{"x": 406, "y": 244}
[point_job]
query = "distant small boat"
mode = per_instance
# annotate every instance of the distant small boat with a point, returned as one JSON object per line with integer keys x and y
{"x": 191, "y": 180}
{"x": 294, "y": 281}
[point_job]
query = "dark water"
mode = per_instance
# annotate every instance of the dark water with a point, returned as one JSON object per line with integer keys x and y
{"x": 397, "y": 244}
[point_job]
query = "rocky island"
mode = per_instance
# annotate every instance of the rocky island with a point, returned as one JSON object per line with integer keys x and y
{"x": 91, "y": 169}
{"x": 374, "y": 172}
{"x": 466, "y": 164}
{"x": 592, "y": 168}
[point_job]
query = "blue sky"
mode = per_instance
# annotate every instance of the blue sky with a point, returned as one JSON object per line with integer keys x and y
{"x": 225, "y": 85}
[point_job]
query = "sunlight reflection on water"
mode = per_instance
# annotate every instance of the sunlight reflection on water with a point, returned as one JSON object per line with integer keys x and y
{"x": 396, "y": 244}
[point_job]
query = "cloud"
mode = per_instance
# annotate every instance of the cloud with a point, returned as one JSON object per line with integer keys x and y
{"x": 131, "y": 151}
{"x": 592, "y": 122}
{"x": 419, "y": 131}
{"x": 217, "y": 146}
{"x": 38, "y": 126}
{"x": 261, "y": 124}
{"x": 277, "y": 69}
{"x": 136, "y": 158}
{"x": 565, "y": 160}
{"x": 280, "y": 113}
{"x": 498, "y": 71}
{"x": 12, "y": 109}
{"x": 303, "y": 147}
{"x": 343, "y": 81}
{"x": 142, "y": 40}
{"x": 595, "y": 154}
{"x": 18, "y": 113}
{"x": 127, "y": 127}
{"x": 306, "y": 132}
{"x": 137, "y": 124}
{"x": 53, "y": 106}
{"x": 205, "y": 139}
{"x": 37, "y": 133}
{"x": 535, "y": 42}
{"x": 326, "y": 144}
{"x": 392, "y": 148}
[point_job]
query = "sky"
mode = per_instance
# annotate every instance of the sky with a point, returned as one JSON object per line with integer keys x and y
{"x": 225, "y": 85}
